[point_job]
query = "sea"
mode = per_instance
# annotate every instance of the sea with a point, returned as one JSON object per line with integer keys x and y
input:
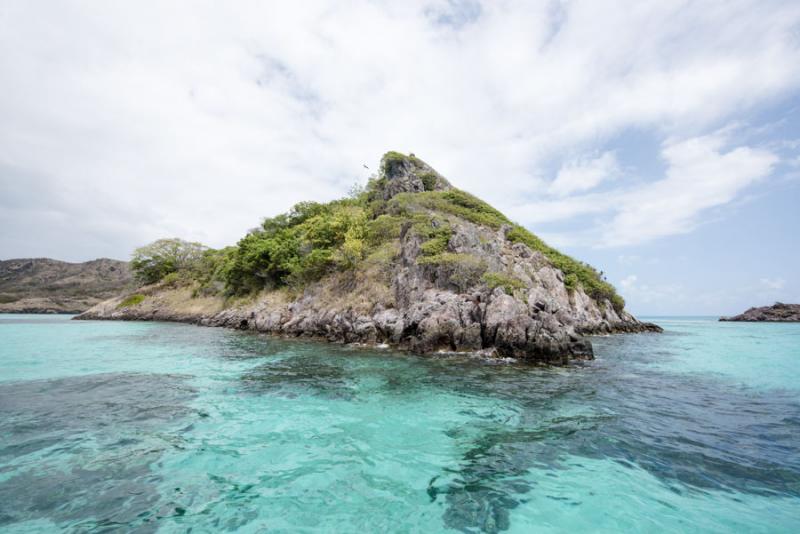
{"x": 161, "y": 427}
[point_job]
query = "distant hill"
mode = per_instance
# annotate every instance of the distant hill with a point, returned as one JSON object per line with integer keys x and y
{"x": 43, "y": 285}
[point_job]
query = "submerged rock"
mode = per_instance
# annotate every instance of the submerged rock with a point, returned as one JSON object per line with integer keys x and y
{"x": 777, "y": 313}
{"x": 471, "y": 288}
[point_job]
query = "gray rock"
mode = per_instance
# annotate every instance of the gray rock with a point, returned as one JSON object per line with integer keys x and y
{"x": 777, "y": 313}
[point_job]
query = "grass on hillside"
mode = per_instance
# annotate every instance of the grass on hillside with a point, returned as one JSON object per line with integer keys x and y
{"x": 131, "y": 300}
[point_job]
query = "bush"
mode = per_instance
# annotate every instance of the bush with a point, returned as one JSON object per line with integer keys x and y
{"x": 428, "y": 180}
{"x": 171, "y": 280}
{"x": 571, "y": 281}
{"x": 508, "y": 283}
{"x": 131, "y": 300}
{"x": 153, "y": 262}
{"x": 300, "y": 246}
{"x": 383, "y": 228}
{"x": 437, "y": 238}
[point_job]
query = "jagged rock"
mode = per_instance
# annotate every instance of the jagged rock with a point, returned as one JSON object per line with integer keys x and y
{"x": 403, "y": 174}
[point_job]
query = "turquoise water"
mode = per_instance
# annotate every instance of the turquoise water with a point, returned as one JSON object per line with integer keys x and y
{"x": 144, "y": 427}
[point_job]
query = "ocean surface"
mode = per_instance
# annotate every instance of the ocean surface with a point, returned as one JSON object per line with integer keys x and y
{"x": 155, "y": 427}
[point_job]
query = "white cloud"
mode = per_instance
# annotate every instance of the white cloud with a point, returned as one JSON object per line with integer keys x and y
{"x": 628, "y": 259}
{"x": 140, "y": 120}
{"x": 772, "y": 283}
{"x": 584, "y": 174}
{"x": 634, "y": 291}
{"x": 700, "y": 176}
{"x": 628, "y": 282}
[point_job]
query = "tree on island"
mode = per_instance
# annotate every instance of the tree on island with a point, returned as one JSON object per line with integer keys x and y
{"x": 153, "y": 262}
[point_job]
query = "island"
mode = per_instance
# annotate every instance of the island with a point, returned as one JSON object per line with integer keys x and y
{"x": 408, "y": 261}
{"x": 44, "y": 285}
{"x": 777, "y": 313}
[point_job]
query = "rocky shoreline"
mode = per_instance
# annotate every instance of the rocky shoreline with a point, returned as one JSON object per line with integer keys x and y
{"x": 418, "y": 310}
{"x": 386, "y": 328}
{"x": 777, "y": 313}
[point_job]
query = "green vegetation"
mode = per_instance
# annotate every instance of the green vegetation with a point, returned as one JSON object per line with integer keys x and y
{"x": 436, "y": 234}
{"x": 507, "y": 282}
{"x": 428, "y": 180}
{"x": 384, "y": 228}
{"x": 153, "y": 262}
{"x": 392, "y": 159}
{"x": 131, "y": 300}
{"x": 314, "y": 239}
{"x": 303, "y": 245}
{"x": 571, "y": 281}
{"x": 453, "y": 202}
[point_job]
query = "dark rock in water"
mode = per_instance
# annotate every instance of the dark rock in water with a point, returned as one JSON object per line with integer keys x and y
{"x": 777, "y": 313}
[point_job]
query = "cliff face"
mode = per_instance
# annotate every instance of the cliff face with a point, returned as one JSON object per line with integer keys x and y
{"x": 777, "y": 313}
{"x": 454, "y": 278}
{"x": 42, "y": 285}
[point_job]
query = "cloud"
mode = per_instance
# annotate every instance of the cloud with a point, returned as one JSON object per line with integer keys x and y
{"x": 144, "y": 120}
{"x": 628, "y": 282}
{"x": 700, "y": 176}
{"x": 772, "y": 283}
{"x": 634, "y": 291}
{"x": 581, "y": 175}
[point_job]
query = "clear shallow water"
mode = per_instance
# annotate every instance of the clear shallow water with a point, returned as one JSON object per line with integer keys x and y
{"x": 165, "y": 427}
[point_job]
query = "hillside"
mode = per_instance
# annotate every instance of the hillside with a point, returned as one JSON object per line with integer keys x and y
{"x": 42, "y": 285}
{"x": 411, "y": 261}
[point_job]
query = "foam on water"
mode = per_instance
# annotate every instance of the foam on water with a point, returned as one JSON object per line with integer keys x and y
{"x": 166, "y": 427}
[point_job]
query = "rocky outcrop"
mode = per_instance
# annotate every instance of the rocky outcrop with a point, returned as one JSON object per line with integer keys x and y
{"x": 409, "y": 174}
{"x": 426, "y": 309}
{"x": 483, "y": 293}
{"x": 777, "y": 313}
{"x": 43, "y": 285}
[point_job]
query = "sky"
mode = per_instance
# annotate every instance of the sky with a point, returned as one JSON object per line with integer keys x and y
{"x": 658, "y": 141}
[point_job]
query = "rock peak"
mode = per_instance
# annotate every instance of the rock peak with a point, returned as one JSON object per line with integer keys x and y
{"x": 408, "y": 174}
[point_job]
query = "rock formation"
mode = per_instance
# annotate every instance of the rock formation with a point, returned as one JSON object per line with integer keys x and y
{"x": 475, "y": 290}
{"x": 777, "y": 313}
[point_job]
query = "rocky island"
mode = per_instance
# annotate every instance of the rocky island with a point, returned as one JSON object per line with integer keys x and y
{"x": 408, "y": 261}
{"x": 44, "y": 285}
{"x": 777, "y": 313}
